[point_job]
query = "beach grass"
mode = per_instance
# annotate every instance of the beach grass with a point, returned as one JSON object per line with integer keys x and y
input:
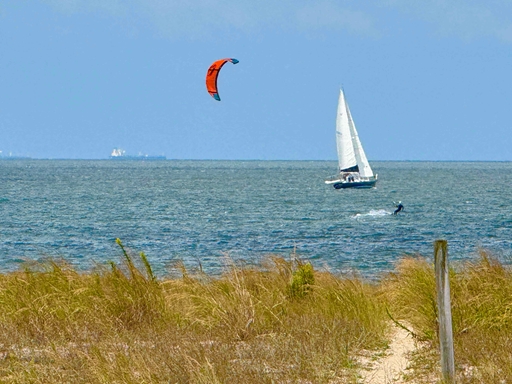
{"x": 281, "y": 322}
{"x": 481, "y": 304}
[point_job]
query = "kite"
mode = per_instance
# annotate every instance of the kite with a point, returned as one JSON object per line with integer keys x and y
{"x": 212, "y": 74}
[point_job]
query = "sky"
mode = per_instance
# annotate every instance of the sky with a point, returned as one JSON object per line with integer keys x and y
{"x": 425, "y": 80}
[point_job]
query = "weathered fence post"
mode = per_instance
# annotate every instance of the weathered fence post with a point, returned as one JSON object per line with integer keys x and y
{"x": 444, "y": 311}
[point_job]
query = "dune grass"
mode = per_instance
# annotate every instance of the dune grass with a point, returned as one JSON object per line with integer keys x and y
{"x": 283, "y": 322}
{"x": 481, "y": 298}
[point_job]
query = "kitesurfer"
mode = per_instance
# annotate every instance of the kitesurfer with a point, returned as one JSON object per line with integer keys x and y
{"x": 399, "y": 207}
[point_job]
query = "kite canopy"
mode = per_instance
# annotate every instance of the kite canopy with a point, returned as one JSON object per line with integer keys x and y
{"x": 212, "y": 74}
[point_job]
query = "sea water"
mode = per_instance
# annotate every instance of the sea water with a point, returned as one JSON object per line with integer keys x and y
{"x": 207, "y": 212}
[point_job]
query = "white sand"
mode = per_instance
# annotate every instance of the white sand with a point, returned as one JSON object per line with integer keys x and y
{"x": 390, "y": 368}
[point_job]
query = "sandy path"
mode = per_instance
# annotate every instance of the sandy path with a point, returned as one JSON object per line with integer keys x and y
{"x": 389, "y": 368}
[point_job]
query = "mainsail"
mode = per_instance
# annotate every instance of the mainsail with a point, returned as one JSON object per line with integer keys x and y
{"x": 346, "y": 156}
{"x": 351, "y": 156}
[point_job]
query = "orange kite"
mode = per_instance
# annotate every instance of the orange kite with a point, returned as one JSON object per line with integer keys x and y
{"x": 213, "y": 73}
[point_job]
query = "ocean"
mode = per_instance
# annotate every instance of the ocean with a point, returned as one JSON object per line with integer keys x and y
{"x": 206, "y": 213}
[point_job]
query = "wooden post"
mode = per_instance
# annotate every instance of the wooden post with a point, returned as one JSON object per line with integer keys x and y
{"x": 444, "y": 311}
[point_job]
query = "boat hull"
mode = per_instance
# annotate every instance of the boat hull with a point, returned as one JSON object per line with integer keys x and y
{"x": 135, "y": 158}
{"x": 342, "y": 182}
{"x": 355, "y": 184}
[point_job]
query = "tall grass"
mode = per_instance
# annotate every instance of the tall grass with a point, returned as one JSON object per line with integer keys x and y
{"x": 481, "y": 296}
{"x": 282, "y": 322}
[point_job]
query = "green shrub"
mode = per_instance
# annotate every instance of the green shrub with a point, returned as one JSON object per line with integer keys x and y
{"x": 302, "y": 280}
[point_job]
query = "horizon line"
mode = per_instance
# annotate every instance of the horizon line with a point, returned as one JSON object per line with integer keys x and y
{"x": 27, "y": 158}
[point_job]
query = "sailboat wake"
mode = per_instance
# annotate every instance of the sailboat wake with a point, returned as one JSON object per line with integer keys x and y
{"x": 372, "y": 213}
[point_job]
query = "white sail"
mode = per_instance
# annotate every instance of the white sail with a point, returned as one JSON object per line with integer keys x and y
{"x": 354, "y": 169}
{"x": 362, "y": 161}
{"x": 346, "y": 153}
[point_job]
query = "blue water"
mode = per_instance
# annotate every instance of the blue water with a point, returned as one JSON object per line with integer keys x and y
{"x": 204, "y": 211}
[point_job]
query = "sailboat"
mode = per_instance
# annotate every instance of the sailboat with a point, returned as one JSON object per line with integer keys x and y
{"x": 354, "y": 169}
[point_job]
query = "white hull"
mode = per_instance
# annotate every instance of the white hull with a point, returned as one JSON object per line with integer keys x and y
{"x": 339, "y": 182}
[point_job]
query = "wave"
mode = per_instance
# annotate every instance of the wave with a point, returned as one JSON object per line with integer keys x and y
{"x": 372, "y": 213}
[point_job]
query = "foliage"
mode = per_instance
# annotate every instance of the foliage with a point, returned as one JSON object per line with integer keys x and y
{"x": 284, "y": 321}
{"x": 481, "y": 298}
{"x": 120, "y": 324}
{"x": 303, "y": 280}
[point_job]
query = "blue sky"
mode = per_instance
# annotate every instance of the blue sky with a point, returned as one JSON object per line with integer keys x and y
{"x": 425, "y": 80}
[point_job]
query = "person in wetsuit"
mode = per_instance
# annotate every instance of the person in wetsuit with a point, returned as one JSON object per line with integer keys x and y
{"x": 399, "y": 207}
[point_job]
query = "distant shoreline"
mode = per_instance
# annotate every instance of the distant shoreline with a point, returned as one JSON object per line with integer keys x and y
{"x": 248, "y": 160}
